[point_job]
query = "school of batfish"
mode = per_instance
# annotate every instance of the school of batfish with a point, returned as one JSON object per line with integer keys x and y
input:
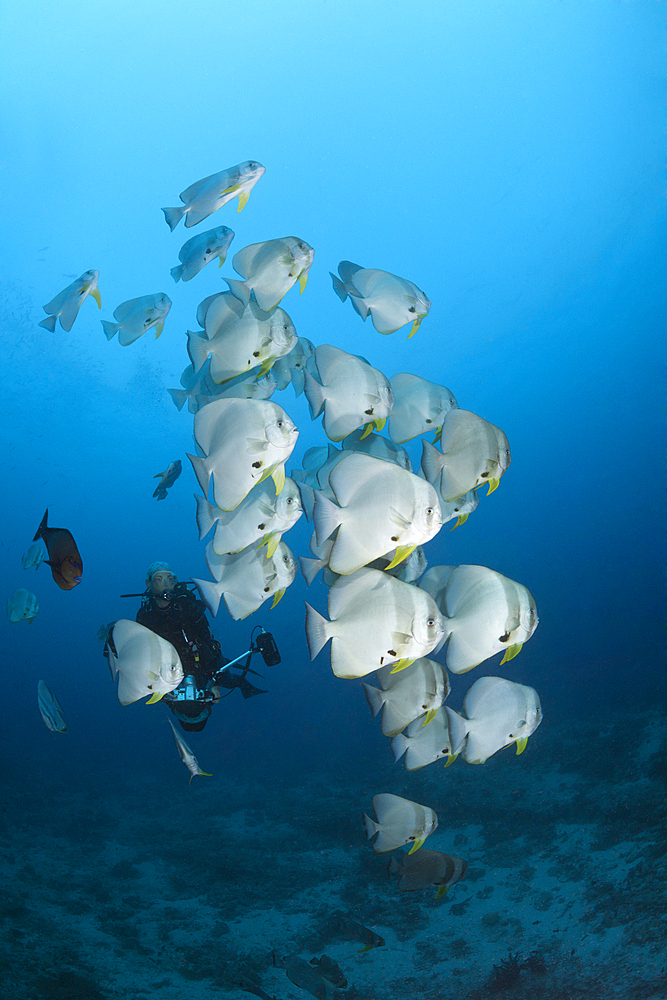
{"x": 372, "y": 513}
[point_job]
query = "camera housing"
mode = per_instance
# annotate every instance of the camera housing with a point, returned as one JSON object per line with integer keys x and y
{"x": 267, "y": 647}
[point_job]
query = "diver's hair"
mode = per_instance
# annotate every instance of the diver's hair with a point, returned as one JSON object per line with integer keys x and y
{"x": 155, "y": 568}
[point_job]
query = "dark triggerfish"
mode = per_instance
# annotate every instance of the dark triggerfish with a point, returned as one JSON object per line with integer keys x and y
{"x": 64, "y": 559}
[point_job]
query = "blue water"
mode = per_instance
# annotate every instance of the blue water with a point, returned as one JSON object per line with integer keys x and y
{"x": 507, "y": 157}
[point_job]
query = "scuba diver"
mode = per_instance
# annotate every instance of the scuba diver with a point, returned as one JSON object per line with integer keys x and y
{"x": 172, "y": 611}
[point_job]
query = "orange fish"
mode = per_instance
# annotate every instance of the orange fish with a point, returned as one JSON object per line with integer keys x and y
{"x": 64, "y": 559}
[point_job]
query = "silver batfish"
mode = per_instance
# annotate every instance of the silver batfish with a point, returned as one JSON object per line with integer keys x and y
{"x": 66, "y": 304}
{"x": 200, "y": 250}
{"x": 136, "y": 316}
{"x": 22, "y": 606}
{"x": 391, "y": 301}
{"x": 414, "y": 693}
{"x": 204, "y": 197}
{"x": 420, "y": 406}
{"x": 243, "y": 442}
{"x": 350, "y": 391}
{"x": 474, "y": 452}
{"x": 145, "y": 663}
{"x": 375, "y": 620}
{"x": 399, "y": 821}
{"x": 498, "y": 713}
{"x": 379, "y": 507}
{"x": 270, "y": 269}
{"x": 246, "y": 579}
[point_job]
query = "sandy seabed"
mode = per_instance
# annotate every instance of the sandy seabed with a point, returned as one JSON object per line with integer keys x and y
{"x": 123, "y": 892}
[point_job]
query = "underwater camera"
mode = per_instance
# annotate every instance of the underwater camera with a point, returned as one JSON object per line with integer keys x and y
{"x": 266, "y": 645}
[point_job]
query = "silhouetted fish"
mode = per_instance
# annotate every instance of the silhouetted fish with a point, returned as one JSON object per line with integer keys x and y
{"x": 308, "y": 978}
{"x": 167, "y": 478}
{"x": 350, "y": 928}
{"x": 64, "y": 559}
{"x": 251, "y": 984}
{"x": 419, "y": 871}
{"x": 330, "y": 970}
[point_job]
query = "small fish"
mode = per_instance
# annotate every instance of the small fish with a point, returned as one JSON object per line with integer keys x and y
{"x": 270, "y": 269}
{"x": 243, "y": 442}
{"x": 50, "y": 710}
{"x": 291, "y": 366}
{"x": 311, "y": 567}
{"x": 64, "y": 558}
{"x": 136, "y": 316}
{"x": 186, "y": 754}
{"x": 461, "y": 508}
{"x": 246, "y": 579}
{"x": 209, "y": 194}
{"x": 250, "y": 386}
{"x": 419, "y": 871}
{"x": 376, "y": 620}
{"x": 34, "y": 557}
{"x": 377, "y": 446}
{"x": 435, "y": 581}
{"x": 321, "y": 463}
{"x": 145, "y": 663}
{"x": 409, "y": 570}
{"x": 167, "y": 479}
{"x": 498, "y": 714}
{"x": 420, "y": 406}
{"x": 200, "y": 250}
{"x": 391, "y": 301}
{"x": 65, "y": 306}
{"x": 104, "y": 631}
{"x": 414, "y": 693}
{"x": 249, "y": 982}
{"x": 399, "y": 821}
{"x": 474, "y": 452}
{"x": 350, "y": 928}
{"x": 195, "y": 384}
{"x": 22, "y": 606}
{"x": 351, "y": 392}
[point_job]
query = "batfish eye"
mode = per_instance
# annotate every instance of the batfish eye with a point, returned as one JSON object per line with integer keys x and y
{"x": 429, "y": 511}
{"x": 279, "y": 423}
{"x": 430, "y": 622}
